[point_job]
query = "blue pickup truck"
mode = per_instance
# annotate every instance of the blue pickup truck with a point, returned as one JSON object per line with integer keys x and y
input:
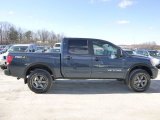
{"x": 82, "y": 58}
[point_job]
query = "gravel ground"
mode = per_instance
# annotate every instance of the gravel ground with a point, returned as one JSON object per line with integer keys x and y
{"x": 78, "y": 100}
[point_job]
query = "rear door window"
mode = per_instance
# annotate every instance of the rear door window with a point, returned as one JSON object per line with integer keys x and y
{"x": 79, "y": 47}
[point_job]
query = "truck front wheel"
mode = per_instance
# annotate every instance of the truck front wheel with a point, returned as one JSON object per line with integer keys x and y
{"x": 39, "y": 81}
{"x": 139, "y": 80}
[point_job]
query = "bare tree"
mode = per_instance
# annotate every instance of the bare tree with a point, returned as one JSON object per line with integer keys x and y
{"x": 43, "y": 35}
{"x": 28, "y": 36}
{"x": 1, "y": 34}
{"x": 4, "y": 32}
{"x": 60, "y": 37}
{"x": 52, "y": 38}
{"x": 11, "y": 34}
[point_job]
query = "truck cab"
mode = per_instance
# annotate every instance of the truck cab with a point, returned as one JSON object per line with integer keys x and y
{"x": 92, "y": 58}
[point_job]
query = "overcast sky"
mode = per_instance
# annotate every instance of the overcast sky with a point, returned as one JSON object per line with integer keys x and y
{"x": 118, "y": 21}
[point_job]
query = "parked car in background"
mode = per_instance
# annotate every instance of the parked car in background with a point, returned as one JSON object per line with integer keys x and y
{"x": 52, "y": 50}
{"x": 129, "y": 52}
{"x": 154, "y": 53}
{"x": 57, "y": 46}
{"x": 151, "y": 54}
{"x": 2, "y": 47}
{"x": 16, "y": 48}
{"x": 47, "y": 48}
{"x": 40, "y": 49}
{"x": 5, "y": 49}
{"x": 148, "y": 53}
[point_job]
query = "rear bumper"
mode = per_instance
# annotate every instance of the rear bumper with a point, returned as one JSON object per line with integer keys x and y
{"x": 154, "y": 72}
{"x": 158, "y": 66}
{"x": 3, "y": 67}
{"x": 7, "y": 72}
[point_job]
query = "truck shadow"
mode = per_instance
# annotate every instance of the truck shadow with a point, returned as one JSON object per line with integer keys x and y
{"x": 97, "y": 87}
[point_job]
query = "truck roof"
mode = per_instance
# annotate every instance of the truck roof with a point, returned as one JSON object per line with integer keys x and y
{"x": 81, "y": 38}
{"x": 70, "y": 38}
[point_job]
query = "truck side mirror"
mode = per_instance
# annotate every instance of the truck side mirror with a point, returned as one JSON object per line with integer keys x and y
{"x": 119, "y": 53}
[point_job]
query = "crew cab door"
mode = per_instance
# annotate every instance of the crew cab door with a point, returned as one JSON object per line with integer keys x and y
{"x": 106, "y": 62}
{"x": 76, "y": 59}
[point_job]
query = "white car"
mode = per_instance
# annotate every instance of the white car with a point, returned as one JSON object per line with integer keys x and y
{"x": 57, "y": 46}
{"x": 40, "y": 49}
{"x": 3, "y": 60}
{"x": 2, "y": 47}
{"x": 16, "y": 48}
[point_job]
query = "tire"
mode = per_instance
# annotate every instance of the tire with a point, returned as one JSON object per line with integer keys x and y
{"x": 39, "y": 81}
{"x": 139, "y": 80}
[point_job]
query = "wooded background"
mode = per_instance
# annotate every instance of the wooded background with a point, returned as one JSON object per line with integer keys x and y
{"x": 10, "y": 34}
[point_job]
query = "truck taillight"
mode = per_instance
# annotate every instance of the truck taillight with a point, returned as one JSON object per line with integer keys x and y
{"x": 9, "y": 59}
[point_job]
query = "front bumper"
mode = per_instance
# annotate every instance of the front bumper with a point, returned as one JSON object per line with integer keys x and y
{"x": 154, "y": 72}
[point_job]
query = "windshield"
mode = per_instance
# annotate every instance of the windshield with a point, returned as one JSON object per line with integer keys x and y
{"x": 154, "y": 53}
{"x": 18, "y": 49}
{"x": 57, "y": 45}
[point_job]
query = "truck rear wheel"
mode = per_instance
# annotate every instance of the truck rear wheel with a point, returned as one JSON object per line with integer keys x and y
{"x": 39, "y": 81}
{"x": 139, "y": 80}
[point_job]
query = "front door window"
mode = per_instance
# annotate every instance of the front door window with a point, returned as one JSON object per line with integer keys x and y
{"x": 102, "y": 48}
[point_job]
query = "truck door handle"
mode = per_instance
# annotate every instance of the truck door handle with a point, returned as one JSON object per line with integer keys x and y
{"x": 96, "y": 59}
{"x": 68, "y": 57}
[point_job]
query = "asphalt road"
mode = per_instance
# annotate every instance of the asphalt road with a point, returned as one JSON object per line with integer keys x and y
{"x": 78, "y": 100}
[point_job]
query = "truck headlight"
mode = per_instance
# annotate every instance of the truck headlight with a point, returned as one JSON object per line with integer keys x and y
{"x": 154, "y": 61}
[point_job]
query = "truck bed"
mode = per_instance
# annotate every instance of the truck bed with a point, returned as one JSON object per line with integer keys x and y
{"x": 22, "y": 61}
